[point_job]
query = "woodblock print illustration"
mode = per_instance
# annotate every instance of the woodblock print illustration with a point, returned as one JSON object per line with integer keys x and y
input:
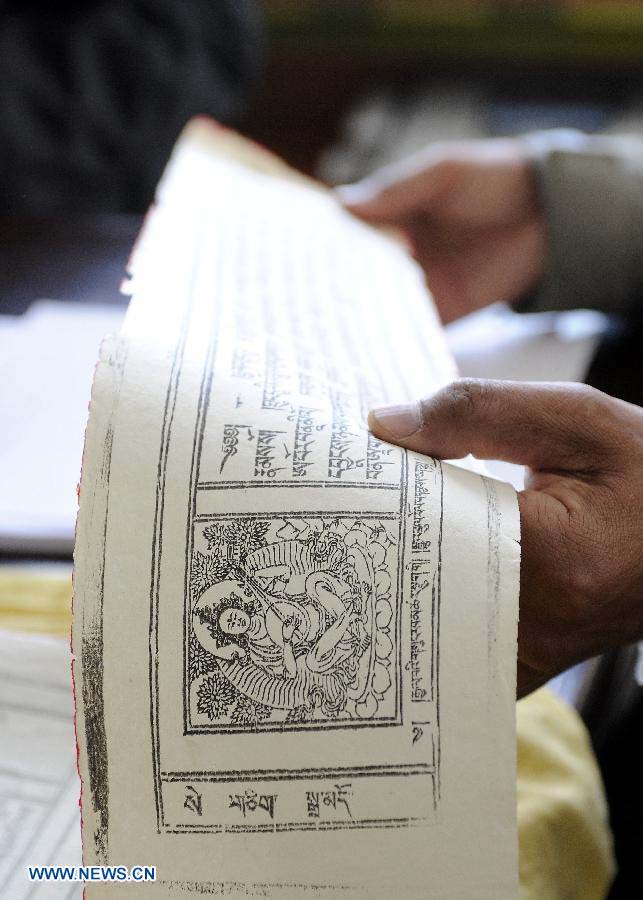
{"x": 292, "y": 623}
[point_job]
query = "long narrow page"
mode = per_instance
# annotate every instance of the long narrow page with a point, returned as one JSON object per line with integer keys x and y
{"x": 295, "y": 644}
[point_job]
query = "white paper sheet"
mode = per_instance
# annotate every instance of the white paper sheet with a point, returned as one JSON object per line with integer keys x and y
{"x": 295, "y": 645}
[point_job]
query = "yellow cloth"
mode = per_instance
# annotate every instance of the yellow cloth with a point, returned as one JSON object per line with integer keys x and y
{"x": 565, "y": 843}
{"x": 36, "y": 599}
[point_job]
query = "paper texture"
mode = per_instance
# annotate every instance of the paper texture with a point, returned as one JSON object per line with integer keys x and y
{"x": 295, "y": 645}
{"x": 39, "y": 814}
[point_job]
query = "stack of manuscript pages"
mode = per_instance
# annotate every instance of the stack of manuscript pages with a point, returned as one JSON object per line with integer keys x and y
{"x": 294, "y": 644}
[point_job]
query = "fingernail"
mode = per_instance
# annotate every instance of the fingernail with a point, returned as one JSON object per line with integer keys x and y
{"x": 398, "y": 421}
{"x": 353, "y": 194}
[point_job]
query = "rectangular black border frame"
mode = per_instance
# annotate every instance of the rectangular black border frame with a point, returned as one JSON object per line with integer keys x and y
{"x": 403, "y": 771}
{"x": 329, "y": 724}
{"x": 202, "y": 407}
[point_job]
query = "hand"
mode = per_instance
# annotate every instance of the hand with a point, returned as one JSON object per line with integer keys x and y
{"x": 471, "y": 211}
{"x": 288, "y": 628}
{"x": 230, "y": 652}
{"x": 581, "y": 578}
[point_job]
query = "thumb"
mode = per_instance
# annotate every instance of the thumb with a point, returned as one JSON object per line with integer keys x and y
{"x": 540, "y": 425}
{"x": 395, "y": 193}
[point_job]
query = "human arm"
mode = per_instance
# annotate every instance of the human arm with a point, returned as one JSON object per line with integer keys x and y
{"x": 552, "y": 220}
{"x": 333, "y": 634}
{"x": 288, "y": 628}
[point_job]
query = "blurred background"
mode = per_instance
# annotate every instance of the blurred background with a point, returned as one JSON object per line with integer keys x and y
{"x": 351, "y": 83}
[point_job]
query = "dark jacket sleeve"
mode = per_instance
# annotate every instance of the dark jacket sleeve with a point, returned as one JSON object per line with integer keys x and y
{"x": 591, "y": 189}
